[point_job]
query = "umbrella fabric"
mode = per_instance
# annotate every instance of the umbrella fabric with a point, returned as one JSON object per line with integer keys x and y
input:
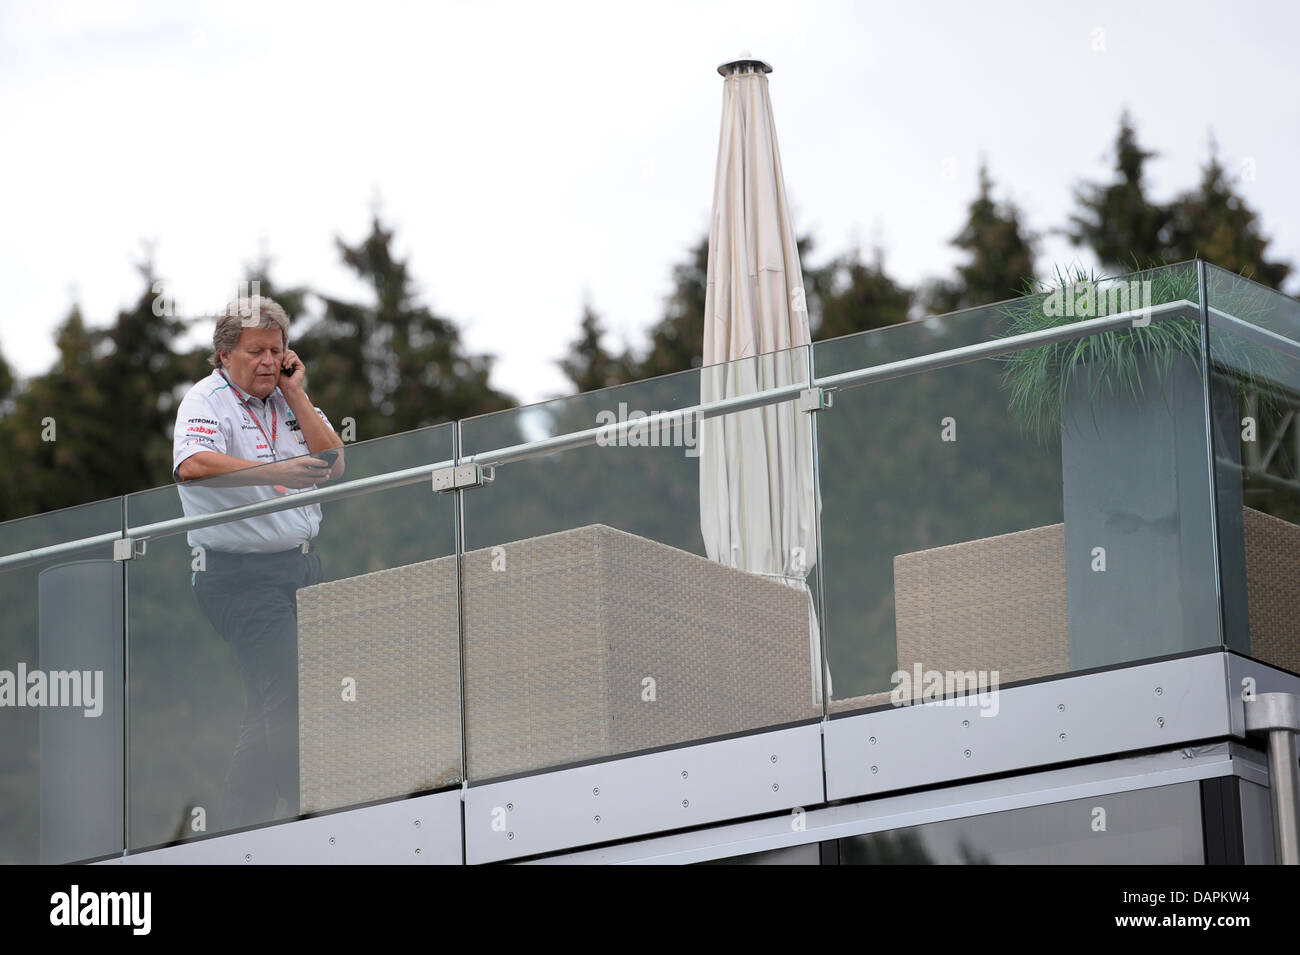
{"x": 757, "y": 509}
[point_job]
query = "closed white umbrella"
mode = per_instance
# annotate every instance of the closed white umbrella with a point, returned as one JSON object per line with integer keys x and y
{"x": 757, "y": 509}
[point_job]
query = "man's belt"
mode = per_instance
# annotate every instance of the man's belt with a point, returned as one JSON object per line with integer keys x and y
{"x": 226, "y": 556}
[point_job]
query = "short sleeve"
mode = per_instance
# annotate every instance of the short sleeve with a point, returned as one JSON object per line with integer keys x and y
{"x": 197, "y": 429}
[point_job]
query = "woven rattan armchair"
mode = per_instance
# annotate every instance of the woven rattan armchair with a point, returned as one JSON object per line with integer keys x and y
{"x": 999, "y": 603}
{"x": 579, "y": 645}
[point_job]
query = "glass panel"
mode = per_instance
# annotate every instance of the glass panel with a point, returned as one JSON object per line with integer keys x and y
{"x": 61, "y": 708}
{"x": 1254, "y": 337}
{"x": 595, "y": 623}
{"x": 1256, "y": 824}
{"x": 1016, "y": 517}
{"x": 809, "y": 854}
{"x": 1160, "y": 826}
{"x": 273, "y": 683}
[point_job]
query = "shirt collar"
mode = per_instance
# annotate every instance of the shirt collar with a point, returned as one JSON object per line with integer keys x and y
{"x": 242, "y": 396}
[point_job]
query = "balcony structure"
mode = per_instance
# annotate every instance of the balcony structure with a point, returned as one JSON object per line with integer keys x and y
{"x": 1050, "y": 615}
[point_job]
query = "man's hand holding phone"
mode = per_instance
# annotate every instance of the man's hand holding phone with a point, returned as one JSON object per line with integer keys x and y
{"x": 319, "y": 466}
{"x": 292, "y": 372}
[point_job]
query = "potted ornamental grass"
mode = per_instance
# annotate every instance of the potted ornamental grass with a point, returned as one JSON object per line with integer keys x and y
{"x": 1129, "y": 408}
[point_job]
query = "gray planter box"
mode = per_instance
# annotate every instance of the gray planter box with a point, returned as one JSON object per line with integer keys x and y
{"x": 1137, "y": 484}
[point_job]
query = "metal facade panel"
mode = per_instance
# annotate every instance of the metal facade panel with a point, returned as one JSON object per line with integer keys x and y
{"x": 653, "y": 792}
{"x": 425, "y": 830}
{"x": 1040, "y": 724}
{"x": 886, "y": 813}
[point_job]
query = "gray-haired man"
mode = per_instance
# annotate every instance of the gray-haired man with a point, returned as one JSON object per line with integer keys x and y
{"x": 248, "y": 433}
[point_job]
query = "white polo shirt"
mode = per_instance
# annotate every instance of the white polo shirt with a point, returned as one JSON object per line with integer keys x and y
{"x": 215, "y": 415}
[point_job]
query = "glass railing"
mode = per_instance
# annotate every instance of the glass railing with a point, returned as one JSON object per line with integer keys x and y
{"x": 1011, "y": 493}
{"x": 268, "y": 685}
{"x": 650, "y": 587}
{"x": 1254, "y": 338}
{"x": 61, "y": 675}
{"x": 992, "y": 520}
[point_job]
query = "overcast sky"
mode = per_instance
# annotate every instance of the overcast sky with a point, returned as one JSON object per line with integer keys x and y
{"x": 533, "y": 154}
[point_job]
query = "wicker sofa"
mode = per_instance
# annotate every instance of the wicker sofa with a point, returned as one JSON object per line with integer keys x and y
{"x": 393, "y": 633}
{"x": 999, "y": 603}
{"x": 578, "y": 645}
{"x": 1273, "y": 588}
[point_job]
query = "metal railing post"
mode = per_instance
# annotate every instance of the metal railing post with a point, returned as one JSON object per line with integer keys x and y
{"x": 1278, "y": 716}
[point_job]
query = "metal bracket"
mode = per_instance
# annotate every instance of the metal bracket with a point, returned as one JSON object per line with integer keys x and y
{"x": 1273, "y": 711}
{"x": 462, "y": 476}
{"x": 814, "y": 399}
{"x": 127, "y": 548}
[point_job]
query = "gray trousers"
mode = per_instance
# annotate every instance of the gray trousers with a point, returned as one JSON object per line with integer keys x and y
{"x": 251, "y": 601}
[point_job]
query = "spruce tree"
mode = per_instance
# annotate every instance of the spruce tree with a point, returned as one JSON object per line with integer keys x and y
{"x": 588, "y": 365}
{"x": 391, "y": 363}
{"x": 999, "y": 255}
{"x": 1215, "y": 223}
{"x": 859, "y": 295}
{"x": 1117, "y": 220}
{"x": 99, "y": 423}
{"x": 8, "y": 385}
{"x": 139, "y": 379}
{"x": 677, "y": 341}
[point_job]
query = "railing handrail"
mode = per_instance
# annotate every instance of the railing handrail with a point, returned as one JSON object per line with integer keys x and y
{"x": 1262, "y": 335}
{"x": 612, "y": 432}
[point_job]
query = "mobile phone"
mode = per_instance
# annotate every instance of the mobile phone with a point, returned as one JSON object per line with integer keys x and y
{"x": 289, "y": 369}
{"x": 329, "y": 457}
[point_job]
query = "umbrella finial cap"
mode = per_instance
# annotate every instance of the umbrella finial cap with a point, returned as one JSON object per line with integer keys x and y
{"x": 745, "y": 63}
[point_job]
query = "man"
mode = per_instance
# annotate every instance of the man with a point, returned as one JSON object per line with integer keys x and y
{"x": 247, "y": 433}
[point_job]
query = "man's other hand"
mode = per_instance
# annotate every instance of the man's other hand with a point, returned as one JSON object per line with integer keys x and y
{"x": 298, "y": 473}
